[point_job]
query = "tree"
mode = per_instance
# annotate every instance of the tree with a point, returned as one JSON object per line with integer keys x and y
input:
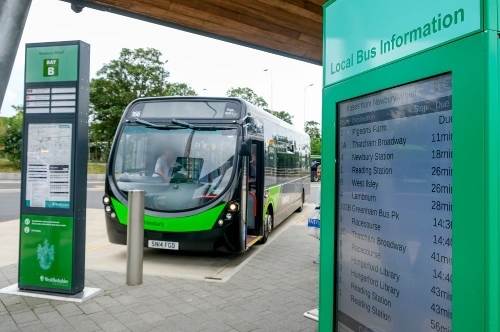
{"x": 179, "y": 89}
{"x": 136, "y": 73}
{"x": 3, "y": 126}
{"x": 285, "y": 116}
{"x": 12, "y": 138}
{"x": 313, "y": 130}
{"x": 250, "y": 96}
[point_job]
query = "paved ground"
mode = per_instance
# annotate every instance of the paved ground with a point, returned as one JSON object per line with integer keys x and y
{"x": 270, "y": 292}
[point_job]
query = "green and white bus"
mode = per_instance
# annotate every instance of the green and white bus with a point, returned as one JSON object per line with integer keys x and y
{"x": 237, "y": 172}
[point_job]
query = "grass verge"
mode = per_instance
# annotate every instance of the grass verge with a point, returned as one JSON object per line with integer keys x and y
{"x": 93, "y": 168}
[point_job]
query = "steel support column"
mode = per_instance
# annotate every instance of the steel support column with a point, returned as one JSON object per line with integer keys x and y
{"x": 13, "y": 14}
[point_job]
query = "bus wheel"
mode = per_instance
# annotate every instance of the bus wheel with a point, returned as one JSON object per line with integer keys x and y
{"x": 301, "y": 207}
{"x": 267, "y": 227}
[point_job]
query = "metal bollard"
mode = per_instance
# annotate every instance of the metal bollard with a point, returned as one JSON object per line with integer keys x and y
{"x": 135, "y": 237}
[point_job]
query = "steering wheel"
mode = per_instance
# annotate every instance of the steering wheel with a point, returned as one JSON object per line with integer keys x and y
{"x": 159, "y": 176}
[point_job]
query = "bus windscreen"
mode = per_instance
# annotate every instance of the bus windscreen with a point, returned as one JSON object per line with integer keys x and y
{"x": 179, "y": 169}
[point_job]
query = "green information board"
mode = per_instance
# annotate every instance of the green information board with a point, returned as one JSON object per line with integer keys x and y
{"x": 54, "y": 168}
{"x": 410, "y": 213}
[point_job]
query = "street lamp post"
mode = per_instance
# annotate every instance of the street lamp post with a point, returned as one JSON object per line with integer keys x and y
{"x": 271, "y": 72}
{"x": 305, "y": 103}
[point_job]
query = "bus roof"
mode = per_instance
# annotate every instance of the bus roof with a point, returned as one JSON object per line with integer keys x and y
{"x": 199, "y": 108}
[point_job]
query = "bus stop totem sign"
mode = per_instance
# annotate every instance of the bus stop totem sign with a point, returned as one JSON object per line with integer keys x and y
{"x": 54, "y": 167}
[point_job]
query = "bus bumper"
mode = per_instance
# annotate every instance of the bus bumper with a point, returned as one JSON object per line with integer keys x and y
{"x": 227, "y": 238}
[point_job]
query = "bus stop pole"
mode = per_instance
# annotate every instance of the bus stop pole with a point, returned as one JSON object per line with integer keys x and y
{"x": 135, "y": 237}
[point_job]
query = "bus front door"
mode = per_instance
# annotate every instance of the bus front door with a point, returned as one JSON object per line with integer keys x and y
{"x": 255, "y": 193}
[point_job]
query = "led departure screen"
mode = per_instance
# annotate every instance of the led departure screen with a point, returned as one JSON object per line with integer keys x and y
{"x": 394, "y": 195}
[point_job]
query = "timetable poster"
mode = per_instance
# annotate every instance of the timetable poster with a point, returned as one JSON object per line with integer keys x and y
{"x": 394, "y": 194}
{"x": 49, "y": 165}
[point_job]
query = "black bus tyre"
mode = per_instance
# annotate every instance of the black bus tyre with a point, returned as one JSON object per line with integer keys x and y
{"x": 267, "y": 230}
{"x": 301, "y": 207}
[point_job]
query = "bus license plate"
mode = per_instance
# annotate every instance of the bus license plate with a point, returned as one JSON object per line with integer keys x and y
{"x": 163, "y": 245}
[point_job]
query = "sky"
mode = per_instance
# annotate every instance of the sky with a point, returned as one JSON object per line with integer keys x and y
{"x": 209, "y": 66}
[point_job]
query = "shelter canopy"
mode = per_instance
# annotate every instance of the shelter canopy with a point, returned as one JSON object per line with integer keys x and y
{"x": 291, "y": 28}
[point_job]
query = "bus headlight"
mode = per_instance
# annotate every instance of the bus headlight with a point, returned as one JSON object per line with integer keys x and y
{"x": 113, "y": 215}
{"x": 220, "y": 222}
{"x": 105, "y": 200}
{"x": 233, "y": 206}
{"x": 229, "y": 216}
{"x": 107, "y": 208}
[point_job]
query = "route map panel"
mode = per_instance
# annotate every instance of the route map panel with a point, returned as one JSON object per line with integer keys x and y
{"x": 48, "y": 165}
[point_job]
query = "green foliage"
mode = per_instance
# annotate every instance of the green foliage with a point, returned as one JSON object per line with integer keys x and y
{"x": 316, "y": 146}
{"x": 285, "y": 116}
{"x": 179, "y": 89}
{"x": 250, "y": 96}
{"x": 314, "y": 131}
{"x": 3, "y": 127}
{"x": 7, "y": 167}
{"x": 92, "y": 168}
{"x": 135, "y": 74}
{"x": 96, "y": 168}
{"x": 12, "y": 138}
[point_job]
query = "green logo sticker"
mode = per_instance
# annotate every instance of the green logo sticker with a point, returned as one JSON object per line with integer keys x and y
{"x": 45, "y": 254}
{"x": 50, "y": 67}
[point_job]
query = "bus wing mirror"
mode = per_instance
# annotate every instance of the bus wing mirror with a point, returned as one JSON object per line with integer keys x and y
{"x": 246, "y": 147}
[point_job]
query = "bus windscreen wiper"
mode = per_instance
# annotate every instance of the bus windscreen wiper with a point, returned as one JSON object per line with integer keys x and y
{"x": 184, "y": 124}
{"x": 193, "y": 127}
{"x": 149, "y": 124}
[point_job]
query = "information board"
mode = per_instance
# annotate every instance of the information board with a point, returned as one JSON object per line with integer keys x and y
{"x": 54, "y": 167}
{"x": 394, "y": 217}
{"x": 48, "y": 175}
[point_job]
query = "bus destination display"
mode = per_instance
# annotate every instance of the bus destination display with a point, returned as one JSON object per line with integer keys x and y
{"x": 394, "y": 219}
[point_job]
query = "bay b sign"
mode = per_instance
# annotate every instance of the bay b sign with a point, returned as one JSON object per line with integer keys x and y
{"x": 50, "y": 67}
{"x": 58, "y": 63}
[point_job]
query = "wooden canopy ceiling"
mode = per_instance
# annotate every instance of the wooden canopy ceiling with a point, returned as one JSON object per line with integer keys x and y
{"x": 292, "y": 28}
